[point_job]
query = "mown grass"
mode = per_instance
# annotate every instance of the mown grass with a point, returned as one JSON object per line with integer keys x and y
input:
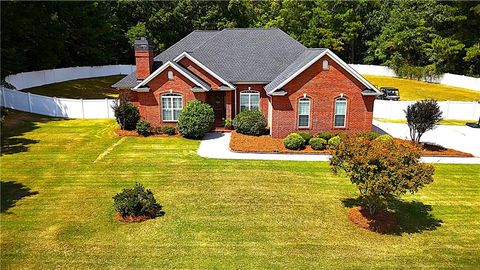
{"x": 84, "y": 88}
{"x": 57, "y": 209}
{"x": 417, "y": 90}
{"x": 450, "y": 122}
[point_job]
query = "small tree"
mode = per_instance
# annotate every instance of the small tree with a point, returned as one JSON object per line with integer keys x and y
{"x": 126, "y": 113}
{"x": 381, "y": 170}
{"x": 422, "y": 116}
{"x": 195, "y": 120}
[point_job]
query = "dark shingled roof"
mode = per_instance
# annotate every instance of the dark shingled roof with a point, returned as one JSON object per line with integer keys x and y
{"x": 303, "y": 59}
{"x": 127, "y": 82}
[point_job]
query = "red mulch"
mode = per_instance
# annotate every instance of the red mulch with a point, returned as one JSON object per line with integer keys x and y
{"x": 382, "y": 222}
{"x": 265, "y": 144}
{"x": 429, "y": 149}
{"x": 131, "y": 219}
{"x": 133, "y": 133}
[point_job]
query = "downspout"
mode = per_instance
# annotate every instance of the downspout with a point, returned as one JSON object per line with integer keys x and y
{"x": 235, "y": 102}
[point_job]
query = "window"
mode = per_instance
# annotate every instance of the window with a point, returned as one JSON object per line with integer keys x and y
{"x": 172, "y": 104}
{"x": 340, "y": 112}
{"x": 304, "y": 113}
{"x": 249, "y": 100}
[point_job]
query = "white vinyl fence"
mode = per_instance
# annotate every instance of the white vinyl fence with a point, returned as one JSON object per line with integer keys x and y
{"x": 447, "y": 78}
{"x": 457, "y": 110}
{"x": 60, "y": 107}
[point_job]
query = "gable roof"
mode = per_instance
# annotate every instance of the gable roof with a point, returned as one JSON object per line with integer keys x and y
{"x": 185, "y": 72}
{"x": 127, "y": 82}
{"x": 304, "y": 61}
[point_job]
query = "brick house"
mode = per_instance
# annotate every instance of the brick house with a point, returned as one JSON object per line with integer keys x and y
{"x": 296, "y": 88}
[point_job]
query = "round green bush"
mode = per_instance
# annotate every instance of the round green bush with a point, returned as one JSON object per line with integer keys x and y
{"x": 326, "y": 135}
{"x": 384, "y": 137}
{"x": 143, "y": 127}
{"x": 294, "y": 141}
{"x": 168, "y": 130}
{"x": 127, "y": 115}
{"x": 250, "y": 123}
{"x": 305, "y": 135}
{"x": 136, "y": 201}
{"x": 318, "y": 143}
{"x": 371, "y": 135}
{"x": 195, "y": 120}
{"x": 334, "y": 141}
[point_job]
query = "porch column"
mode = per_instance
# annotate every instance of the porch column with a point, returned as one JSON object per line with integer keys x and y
{"x": 228, "y": 104}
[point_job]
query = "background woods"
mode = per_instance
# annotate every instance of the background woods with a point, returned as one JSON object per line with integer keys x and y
{"x": 425, "y": 36}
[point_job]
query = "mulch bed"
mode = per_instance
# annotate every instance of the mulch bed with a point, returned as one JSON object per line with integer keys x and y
{"x": 429, "y": 149}
{"x": 265, "y": 144}
{"x": 382, "y": 222}
{"x": 131, "y": 219}
{"x": 133, "y": 133}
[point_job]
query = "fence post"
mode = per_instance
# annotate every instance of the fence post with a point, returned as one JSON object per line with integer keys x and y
{"x": 29, "y": 102}
{"x": 55, "y": 107}
{"x": 83, "y": 109}
{"x": 108, "y": 111}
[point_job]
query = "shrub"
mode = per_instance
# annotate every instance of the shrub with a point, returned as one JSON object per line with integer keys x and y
{"x": 318, "y": 143}
{"x": 371, "y": 135}
{"x": 294, "y": 141}
{"x": 306, "y": 136}
{"x": 127, "y": 115}
{"x": 381, "y": 170}
{"x": 143, "y": 127}
{"x": 334, "y": 141}
{"x": 195, "y": 120}
{"x": 136, "y": 202}
{"x": 250, "y": 123}
{"x": 422, "y": 116}
{"x": 168, "y": 130}
{"x": 228, "y": 124}
{"x": 326, "y": 135}
{"x": 384, "y": 137}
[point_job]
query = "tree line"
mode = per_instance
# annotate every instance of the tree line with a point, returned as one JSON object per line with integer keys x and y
{"x": 416, "y": 38}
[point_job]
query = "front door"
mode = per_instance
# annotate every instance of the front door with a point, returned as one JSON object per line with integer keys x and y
{"x": 217, "y": 101}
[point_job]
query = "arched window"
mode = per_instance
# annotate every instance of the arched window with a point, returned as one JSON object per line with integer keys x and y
{"x": 249, "y": 100}
{"x": 304, "y": 113}
{"x": 340, "y": 112}
{"x": 172, "y": 104}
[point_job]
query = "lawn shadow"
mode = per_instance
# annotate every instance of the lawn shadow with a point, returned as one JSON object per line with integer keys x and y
{"x": 16, "y": 125}
{"x": 11, "y": 192}
{"x": 412, "y": 217}
{"x": 472, "y": 125}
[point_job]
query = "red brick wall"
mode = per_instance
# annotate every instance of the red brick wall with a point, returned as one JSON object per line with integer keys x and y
{"x": 263, "y": 96}
{"x": 144, "y": 63}
{"x": 192, "y": 67}
{"x": 149, "y": 103}
{"x": 322, "y": 87}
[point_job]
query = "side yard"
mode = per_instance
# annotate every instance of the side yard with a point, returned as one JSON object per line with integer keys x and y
{"x": 56, "y": 208}
{"x": 417, "y": 90}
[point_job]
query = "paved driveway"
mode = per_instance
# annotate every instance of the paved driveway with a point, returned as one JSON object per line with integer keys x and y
{"x": 462, "y": 138}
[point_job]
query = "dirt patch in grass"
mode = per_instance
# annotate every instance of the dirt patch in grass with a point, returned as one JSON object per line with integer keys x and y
{"x": 382, "y": 222}
{"x": 265, "y": 144}
{"x": 131, "y": 219}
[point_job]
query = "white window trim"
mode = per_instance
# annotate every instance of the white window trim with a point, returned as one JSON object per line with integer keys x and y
{"x": 249, "y": 93}
{"x": 342, "y": 99}
{"x": 171, "y": 97}
{"x": 304, "y": 100}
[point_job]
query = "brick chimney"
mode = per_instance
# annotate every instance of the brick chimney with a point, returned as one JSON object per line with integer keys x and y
{"x": 143, "y": 58}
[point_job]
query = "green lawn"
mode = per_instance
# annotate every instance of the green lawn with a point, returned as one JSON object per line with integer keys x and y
{"x": 442, "y": 122}
{"x": 417, "y": 90}
{"x": 57, "y": 208}
{"x": 84, "y": 88}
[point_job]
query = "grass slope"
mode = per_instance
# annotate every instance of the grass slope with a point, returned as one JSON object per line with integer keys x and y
{"x": 84, "y": 88}
{"x": 57, "y": 208}
{"x": 417, "y": 90}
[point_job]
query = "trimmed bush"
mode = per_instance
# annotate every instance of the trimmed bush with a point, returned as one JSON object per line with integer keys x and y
{"x": 384, "y": 137}
{"x": 168, "y": 130}
{"x": 228, "y": 124}
{"x": 250, "y": 123}
{"x": 143, "y": 127}
{"x": 136, "y": 201}
{"x": 127, "y": 115}
{"x": 371, "y": 135}
{"x": 326, "y": 135}
{"x": 334, "y": 141}
{"x": 306, "y": 136}
{"x": 294, "y": 142}
{"x": 195, "y": 120}
{"x": 318, "y": 143}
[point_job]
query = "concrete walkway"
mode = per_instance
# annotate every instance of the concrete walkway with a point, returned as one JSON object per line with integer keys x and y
{"x": 216, "y": 145}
